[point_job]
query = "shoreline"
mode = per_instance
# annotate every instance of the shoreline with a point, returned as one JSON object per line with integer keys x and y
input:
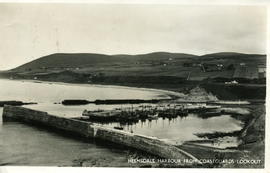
{"x": 162, "y": 92}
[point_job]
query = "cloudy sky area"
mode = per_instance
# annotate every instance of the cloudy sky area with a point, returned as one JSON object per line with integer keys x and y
{"x": 29, "y": 31}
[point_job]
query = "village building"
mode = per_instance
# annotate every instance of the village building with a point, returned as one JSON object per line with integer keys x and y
{"x": 262, "y": 70}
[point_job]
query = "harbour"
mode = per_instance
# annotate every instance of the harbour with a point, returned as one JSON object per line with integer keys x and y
{"x": 182, "y": 125}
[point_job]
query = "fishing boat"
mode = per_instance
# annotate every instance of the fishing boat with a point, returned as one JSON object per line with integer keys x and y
{"x": 208, "y": 114}
{"x": 153, "y": 116}
{"x": 118, "y": 128}
{"x": 102, "y": 114}
{"x": 200, "y": 107}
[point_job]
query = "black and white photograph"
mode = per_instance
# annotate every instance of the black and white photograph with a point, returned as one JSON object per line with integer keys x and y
{"x": 132, "y": 85}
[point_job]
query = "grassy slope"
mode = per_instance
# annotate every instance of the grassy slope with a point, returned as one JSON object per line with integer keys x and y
{"x": 153, "y": 64}
{"x": 84, "y": 60}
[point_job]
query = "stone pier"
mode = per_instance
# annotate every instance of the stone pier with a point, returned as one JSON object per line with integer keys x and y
{"x": 84, "y": 129}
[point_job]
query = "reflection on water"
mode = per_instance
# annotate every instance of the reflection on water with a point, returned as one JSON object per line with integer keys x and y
{"x": 182, "y": 129}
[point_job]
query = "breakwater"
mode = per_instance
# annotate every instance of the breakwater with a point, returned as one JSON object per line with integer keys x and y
{"x": 147, "y": 144}
{"x": 116, "y": 101}
{"x": 15, "y": 103}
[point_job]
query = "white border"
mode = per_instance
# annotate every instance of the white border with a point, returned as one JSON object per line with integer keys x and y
{"x": 180, "y": 2}
{"x": 24, "y": 169}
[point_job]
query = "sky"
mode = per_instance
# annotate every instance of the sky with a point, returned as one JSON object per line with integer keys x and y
{"x": 29, "y": 31}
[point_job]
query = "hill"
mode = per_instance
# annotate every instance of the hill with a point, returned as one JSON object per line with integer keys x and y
{"x": 237, "y": 56}
{"x": 83, "y": 60}
{"x": 228, "y": 65}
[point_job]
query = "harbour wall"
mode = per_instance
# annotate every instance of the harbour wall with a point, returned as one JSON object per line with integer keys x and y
{"x": 84, "y": 129}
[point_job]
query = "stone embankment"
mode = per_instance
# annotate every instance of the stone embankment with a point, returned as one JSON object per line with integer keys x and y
{"x": 15, "y": 103}
{"x": 147, "y": 144}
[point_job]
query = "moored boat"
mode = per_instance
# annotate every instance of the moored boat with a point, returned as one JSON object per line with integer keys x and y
{"x": 102, "y": 114}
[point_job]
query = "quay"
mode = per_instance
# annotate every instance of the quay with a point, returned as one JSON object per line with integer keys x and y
{"x": 151, "y": 145}
{"x": 150, "y": 112}
{"x": 110, "y": 102}
{"x": 15, "y": 103}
